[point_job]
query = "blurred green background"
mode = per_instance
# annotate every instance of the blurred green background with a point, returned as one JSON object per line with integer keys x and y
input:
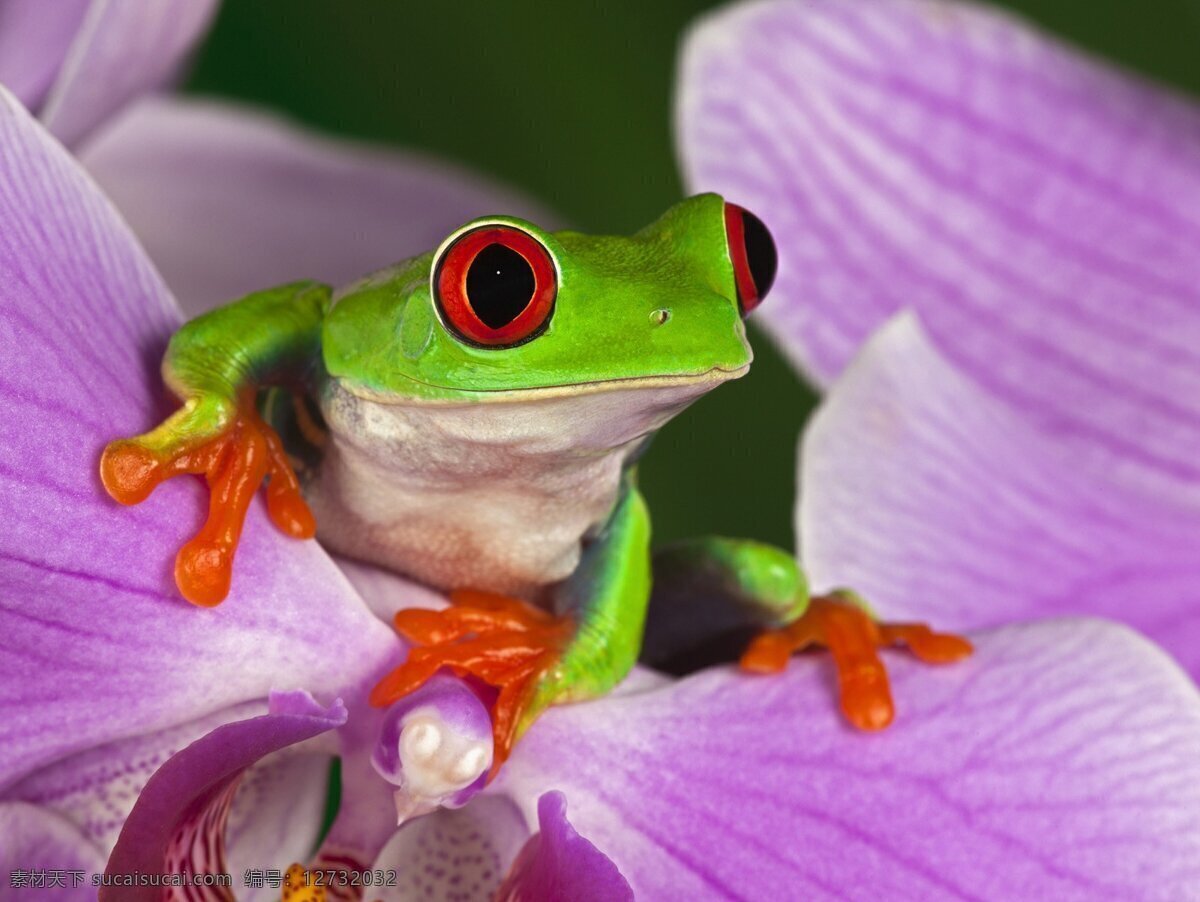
{"x": 571, "y": 101}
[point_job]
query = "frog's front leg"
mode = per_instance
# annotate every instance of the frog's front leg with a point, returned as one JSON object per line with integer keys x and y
{"x": 215, "y": 364}
{"x": 532, "y": 657}
{"x": 768, "y": 590}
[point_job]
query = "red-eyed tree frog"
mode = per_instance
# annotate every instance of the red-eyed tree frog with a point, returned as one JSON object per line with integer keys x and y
{"x": 471, "y": 418}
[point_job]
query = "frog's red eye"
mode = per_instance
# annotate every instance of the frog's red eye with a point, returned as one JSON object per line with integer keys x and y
{"x": 752, "y": 251}
{"x": 495, "y": 286}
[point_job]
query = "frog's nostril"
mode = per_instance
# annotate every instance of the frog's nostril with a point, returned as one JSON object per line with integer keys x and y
{"x": 660, "y": 317}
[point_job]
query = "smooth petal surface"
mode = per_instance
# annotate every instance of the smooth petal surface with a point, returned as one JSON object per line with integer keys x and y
{"x": 229, "y": 201}
{"x": 178, "y": 823}
{"x": 559, "y": 865}
{"x": 98, "y": 644}
{"x": 1057, "y": 762}
{"x": 939, "y": 503}
{"x": 34, "y": 39}
{"x": 122, "y": 48}
{"x": 385, "y": 592}
{"x": 37, "y": 841}
{"x": 1040, "y": 211}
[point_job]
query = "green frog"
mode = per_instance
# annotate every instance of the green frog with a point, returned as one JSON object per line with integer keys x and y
{"x": 471, "y": 418}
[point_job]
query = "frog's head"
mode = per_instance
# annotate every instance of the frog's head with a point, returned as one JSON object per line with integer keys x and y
{"x": 503, "y": 309}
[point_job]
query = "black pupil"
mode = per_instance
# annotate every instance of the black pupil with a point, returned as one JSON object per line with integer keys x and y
{"x": 760, "y": 252}
{"x": 500, "y": 284}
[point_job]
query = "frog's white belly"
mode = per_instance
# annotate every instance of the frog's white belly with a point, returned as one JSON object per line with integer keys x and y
{"x": 494, "y": 495}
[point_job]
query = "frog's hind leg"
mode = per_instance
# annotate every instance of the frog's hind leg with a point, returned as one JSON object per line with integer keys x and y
{"x": 533, "y": 658}
{"x": 765, "y": 592}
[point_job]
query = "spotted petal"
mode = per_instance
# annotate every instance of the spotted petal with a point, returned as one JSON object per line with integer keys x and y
{"x": 939, "y": 503}
{"x": 228, "y": 201}
{"x": 462, "y": 853}
{"x": 98, "y": 645}
{"x": 1040, "y": 211}
{"x": 179, "y": 822}
{"x": 44, "y": 856}
{"x": 1058, "y": 762}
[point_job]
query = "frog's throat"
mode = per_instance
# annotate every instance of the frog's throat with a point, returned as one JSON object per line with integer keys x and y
{"x": 448, "y": 396}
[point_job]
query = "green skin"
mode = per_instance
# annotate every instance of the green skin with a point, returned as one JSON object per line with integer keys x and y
{"x": 384, "y": 339}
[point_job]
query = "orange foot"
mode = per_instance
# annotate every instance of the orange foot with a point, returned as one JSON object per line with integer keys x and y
{"x": 841, "y": 625}
{"x": 505, "y": 642}
{"x": 234, "y": 463}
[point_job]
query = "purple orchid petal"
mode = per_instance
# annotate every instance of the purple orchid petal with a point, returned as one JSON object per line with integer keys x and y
{"x": 121, "y": 50}
{"x": 454, "y": 854}
{"x": 34, "y": 39}
{"x": 97, "y": 788}
{"x": 268, "y": 203}
{"x": 274, "y": 817}
{"x": 277, "y": 816}
{"x": 193, "y": 800}
{"x": 1038, "y": 210}
{"x": 1057, "y": 762}
{"x": 385, "y": 592}
{"x": 178, "y": 823}
{"x": 43, "y": 855}
{"x": 98, "y": 645}
{"x": 938, "y": 503}
{"x": 559, "y": 865}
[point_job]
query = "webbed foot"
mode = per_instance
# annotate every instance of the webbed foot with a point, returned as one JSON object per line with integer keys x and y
{"x": 839, "y": 622}
{"x": 504, "y": 642}
{"x": 234, "y": 450}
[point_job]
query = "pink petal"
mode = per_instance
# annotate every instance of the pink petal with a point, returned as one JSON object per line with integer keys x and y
{"x": 98, "y": 644}
{"x": 939, "y": 503}
{"x": 1039, "y": 210}
{"x": 385, "y": 592}
{"x": 454, "y": 854}
{"x": 122, "y": 49}
{"x": 96, "y": 789}
{"x": 34, "y": 38}
{"x": 1056, "y": 763}
{"x": 559, "y": 865}
{"x": 179, "y": 821}
{"x": 36, "y": 840}
{"x": 228, "y": 201}
{"x": 275, "y": 816}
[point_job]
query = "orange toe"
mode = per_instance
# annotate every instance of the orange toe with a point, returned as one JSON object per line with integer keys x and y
{"x": 504, "y": 642}
{"x": 234, "y": 464}
{"x": 853, "y": 639}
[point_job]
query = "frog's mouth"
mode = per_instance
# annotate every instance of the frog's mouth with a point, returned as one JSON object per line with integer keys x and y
{"x": 429, "y": 393}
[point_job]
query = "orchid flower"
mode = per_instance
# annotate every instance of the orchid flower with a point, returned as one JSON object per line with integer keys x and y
{"x": 141, "y": 735}
{"x": 1013, "y": 226}
{"x": 77, "y": 62}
